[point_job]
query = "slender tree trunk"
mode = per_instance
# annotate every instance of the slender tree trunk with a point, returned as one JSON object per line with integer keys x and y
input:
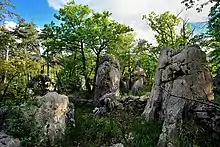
{"x": 96, "y": 70}
{"x": 48, "y": 69}
{"x": 6, "y": 59}
{"x": 88, "y": 87}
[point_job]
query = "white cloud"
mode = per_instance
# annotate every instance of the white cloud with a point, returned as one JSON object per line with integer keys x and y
{"x": 130, "y": 11}
{"x": 57, "y": 4}
{"x": 10, "y": 25}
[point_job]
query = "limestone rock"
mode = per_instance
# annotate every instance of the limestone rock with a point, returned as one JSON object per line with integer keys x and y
{"x": 138, "y": 79}
{"x": 52, "y": 115}
{"x": 137, "y": 86}
{"x": 117, "y": 145}
{"x": 8, "y": 141}
{"x": 180, "y": 74}
{"x": 107, "y": 79}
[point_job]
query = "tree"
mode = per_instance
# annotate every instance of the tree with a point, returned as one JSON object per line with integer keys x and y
{"x": 28, "y": 37}
{"x": 85, "y": 35}
{"x": 4, "y": 10}
{"x": 17, "y": 60}
{"x": 191, "y": 3}
{"x": 214, "y": 36}
{"x": 166, "y": 31}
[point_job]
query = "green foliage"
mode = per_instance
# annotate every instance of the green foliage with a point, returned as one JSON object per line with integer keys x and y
{"x": 165, "y": 27}
{"x": 83, "y": 35}
{"x": 214, "y": 37}
{"x": 17, "y": 60}
{"x": 113, "y": 128}
{"x": 19, "y": 119}
{"x": 191, "y": 3}
{"x": 5, "y": 13}
{"x": 196, "y": 135}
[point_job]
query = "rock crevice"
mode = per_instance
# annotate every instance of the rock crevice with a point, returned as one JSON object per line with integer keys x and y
{"x": 181, "y": 75}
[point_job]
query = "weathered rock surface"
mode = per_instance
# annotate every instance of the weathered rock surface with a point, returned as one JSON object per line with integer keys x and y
{"x": 8, "y": 141}
{"x": 107, "y": 80}
{"x": 134, "y": 83}
{"x": 134, "y": 103}
{"x": 137, "y": 86}
{"x": 117, "y": 145}
{"x": 52, "y": 115}
{"x": 180, "y": 75}
{"x": 126, "y": 103}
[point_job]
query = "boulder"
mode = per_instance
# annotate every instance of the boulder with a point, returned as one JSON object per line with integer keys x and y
{"x": 137, "y": 81}
{"x": 182, "y": 79}
{"x": 52, "y": 116}
{"x": 137, "y": 86}
{"x": 117, "y": 145}
{"x": 8, "y": 141}
{"x": 107, "y": 79}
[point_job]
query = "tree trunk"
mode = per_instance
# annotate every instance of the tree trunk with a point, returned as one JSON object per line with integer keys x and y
{"x": 88, "y": 87}
{"x": 48, "y": 69}
{"x": 96, "y": 70}
{"x": 6, "y": 59}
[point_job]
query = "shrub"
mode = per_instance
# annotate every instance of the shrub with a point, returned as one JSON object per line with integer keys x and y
{"x": 19, "y": 120}
{"x": 117, "y": 127}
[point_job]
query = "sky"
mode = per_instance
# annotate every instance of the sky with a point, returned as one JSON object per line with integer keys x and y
{"x": 124, "y": 11}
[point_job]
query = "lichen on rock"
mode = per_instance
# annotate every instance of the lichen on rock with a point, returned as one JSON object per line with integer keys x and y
{"x": 52, "y": 116}
{"x": 181, "y": 77}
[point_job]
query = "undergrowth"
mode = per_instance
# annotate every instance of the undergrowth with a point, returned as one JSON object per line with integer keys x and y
{"x": 117, "y": 127}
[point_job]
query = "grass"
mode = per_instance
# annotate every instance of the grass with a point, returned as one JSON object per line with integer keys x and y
{"x": 118, "y": 127}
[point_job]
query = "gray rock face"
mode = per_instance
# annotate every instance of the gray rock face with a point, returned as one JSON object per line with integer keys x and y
{"x": 117, "y": 145}
{"x": 107, "y": 80}
{"x": 137, "y": 81}
{"x": 52, "y": 115}
{"x": 8, "y": 141}
{"x": 180, "y": 75}
{"x": 137, "y": 86}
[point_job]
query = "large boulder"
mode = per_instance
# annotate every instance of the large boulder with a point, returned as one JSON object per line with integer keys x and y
{"x": 8, "y": 141}
{"x": 182, "y": 78}
{"x": 52, "y": 115}
{"x": 107, "y": 80}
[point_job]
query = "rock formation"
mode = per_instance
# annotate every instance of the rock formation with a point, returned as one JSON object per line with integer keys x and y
{"x": 8, "y": 141}
{"x": 182, "y": 78}
{"x": 117, "y": 145}
{"x": 107, "y": 81}
{"x": 137, "y": 80}
{"x": 52, "y": 115}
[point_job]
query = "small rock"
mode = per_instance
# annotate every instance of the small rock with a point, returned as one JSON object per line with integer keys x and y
{"x": 117, "y": 145}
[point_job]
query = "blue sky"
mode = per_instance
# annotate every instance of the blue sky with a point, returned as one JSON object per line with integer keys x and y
{"x": 125, "y": 11}
{"x": 34, "y": 10}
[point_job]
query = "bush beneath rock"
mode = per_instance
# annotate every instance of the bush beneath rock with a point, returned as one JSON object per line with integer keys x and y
{"x": 19, "y": 122}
